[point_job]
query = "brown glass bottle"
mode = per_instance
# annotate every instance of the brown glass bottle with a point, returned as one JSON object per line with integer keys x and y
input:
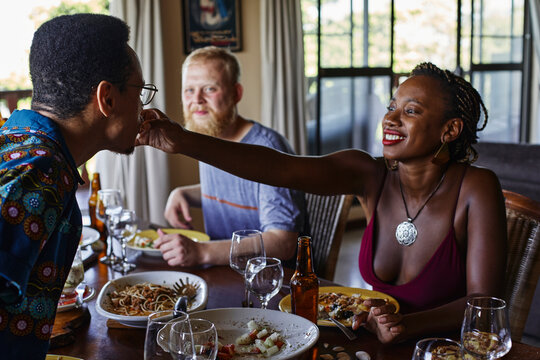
{"x": 304, "y": 283}
{"x": 92, "y": 202}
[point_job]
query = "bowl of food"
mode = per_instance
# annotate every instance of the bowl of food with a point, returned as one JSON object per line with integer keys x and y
{"x": 131, "y": 298}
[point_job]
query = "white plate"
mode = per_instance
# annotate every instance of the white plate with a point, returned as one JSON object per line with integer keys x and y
{"x": 166, "y": 278}
{"x": 153, "y": 235}
{"x": 65, "y": 304}
{"x": 299, "y": 334}
{"x": 89, "y": 236}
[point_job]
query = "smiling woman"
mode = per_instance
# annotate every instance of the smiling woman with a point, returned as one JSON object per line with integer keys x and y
{"x": 458, "y": 209}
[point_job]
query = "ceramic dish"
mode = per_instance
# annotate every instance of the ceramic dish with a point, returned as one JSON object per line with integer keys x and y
{"x": 89, "y": 236}
{"x": 165, "y": 278}
{"x": 299, "y": 334}
{"x": 68, "y": 303}
{"x": 153, "y": 235}
{"x": 61, "y": 357}
{"x": 285, "y": 303}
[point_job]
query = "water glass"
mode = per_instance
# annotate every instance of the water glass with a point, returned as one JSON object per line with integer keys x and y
{"x": 485, "y": 332}
{"x": 156, "y": 342}
{"x": 123, "y": 227}
{"x": 193, "y": 339}
{"x": 437, "y": 349}
{"x": 245, "y": 244}
{"x": 264, "y": 277}
{"x": 109, "y": 202}
{"x": 75, "y": 276}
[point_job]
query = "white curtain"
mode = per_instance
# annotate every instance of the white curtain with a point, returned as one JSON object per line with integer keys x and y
{"x": 535, "y": 24}
{"x": 282, "y": 68}
{"x": 143, "y": 176}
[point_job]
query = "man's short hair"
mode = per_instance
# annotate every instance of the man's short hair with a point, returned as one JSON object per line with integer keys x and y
{"x": 208, "y": 53}
{"x": 71, "y": 54}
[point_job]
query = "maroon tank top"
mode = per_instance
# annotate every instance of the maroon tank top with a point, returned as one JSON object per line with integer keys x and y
{"x": 442, "y": 280}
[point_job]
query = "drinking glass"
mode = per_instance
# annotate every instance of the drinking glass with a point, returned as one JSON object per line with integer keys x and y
{"x": 437, "y": 349}
{"x": 156, "y": 342}
{"x": 485, "y": 332}
{"x": 245, "y": 244}
{"x": 109, "y": 202}
{"x": 193, "y": 339}
{"x": 75, "y": 276}
{"x": 264, "y": 276}
{"x": 123, "y": 228}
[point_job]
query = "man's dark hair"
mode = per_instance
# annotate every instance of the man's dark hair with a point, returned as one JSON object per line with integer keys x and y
{"x": 71, "y": 54}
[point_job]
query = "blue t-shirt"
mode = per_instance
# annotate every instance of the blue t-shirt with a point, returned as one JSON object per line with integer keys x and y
{"x": 40, "y": 228}
{"x": 230, "y": 203}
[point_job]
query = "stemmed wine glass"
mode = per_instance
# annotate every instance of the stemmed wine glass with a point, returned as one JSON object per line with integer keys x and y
{"x": 245, "y": 244}
{"x": 264, "y": 277}
{"x": 437, "y": 349}
{"x": 123, "y": 228}
{"x": 485, "y": 333}
{"x": 194, "y": 339}
{"x": 109, "y": 202}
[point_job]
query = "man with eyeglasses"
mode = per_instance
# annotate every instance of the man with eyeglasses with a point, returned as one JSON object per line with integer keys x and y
{"x": 88, "y": 92}
{"x": 210, "y": 93}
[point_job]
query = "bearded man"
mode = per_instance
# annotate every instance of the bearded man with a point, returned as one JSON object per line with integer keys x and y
{"x": 210, "y": 93}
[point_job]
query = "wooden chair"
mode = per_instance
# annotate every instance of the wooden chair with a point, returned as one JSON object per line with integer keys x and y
{"x": 327, "y": 219}
{"x": 523, "y": 262}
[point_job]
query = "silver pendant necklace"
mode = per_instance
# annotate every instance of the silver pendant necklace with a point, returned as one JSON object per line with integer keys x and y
{"x": 406, "y": 232}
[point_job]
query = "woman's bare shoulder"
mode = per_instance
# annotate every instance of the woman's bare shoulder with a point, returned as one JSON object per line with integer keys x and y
{"x": 482, "y": 185}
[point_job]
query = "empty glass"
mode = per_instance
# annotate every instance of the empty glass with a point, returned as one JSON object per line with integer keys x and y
{"x": 264, "y": 277}
{"x": 193, "y": 339}
{"x": 156, "y": 342}
{"x": 245, "y": 244}
{"x": 437, "y": 349}
{"x": 485, "y": 333}
{"x": 109, "y": 202}
{"x": 123, "y": 227}
{"x": 75, "y": 276}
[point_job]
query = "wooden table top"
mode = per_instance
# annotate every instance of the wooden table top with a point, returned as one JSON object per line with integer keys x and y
{"x": 96, "y": 340}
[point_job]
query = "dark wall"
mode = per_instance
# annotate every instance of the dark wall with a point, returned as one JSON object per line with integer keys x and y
{"x": 516, "y": 165}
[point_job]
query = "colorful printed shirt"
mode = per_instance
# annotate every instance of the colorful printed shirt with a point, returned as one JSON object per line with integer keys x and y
{"x": 40, "y": 227}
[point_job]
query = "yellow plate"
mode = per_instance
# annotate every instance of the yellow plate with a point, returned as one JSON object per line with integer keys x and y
{"x": 153, "y": 235}
{"x": 61, "y": 357}
{"x": 285, "y": 303}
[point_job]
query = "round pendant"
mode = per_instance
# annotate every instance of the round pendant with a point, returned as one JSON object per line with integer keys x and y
{"x": 406, "y": 233}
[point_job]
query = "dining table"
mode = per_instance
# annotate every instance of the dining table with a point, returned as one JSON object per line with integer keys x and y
{"x": 101, "y": 338}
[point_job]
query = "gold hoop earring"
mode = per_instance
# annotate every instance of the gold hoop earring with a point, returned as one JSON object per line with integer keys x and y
{"x": 442, "y": 156}
{"x": 391, "y": 167}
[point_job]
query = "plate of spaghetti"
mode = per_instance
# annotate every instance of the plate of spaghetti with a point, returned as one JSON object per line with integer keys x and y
{"x": 131, "y": 298}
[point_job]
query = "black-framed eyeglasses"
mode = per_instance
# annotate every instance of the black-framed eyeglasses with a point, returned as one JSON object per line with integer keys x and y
{"x": 147, "y": 92}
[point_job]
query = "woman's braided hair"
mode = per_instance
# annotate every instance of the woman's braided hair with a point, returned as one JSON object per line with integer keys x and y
{"x": 464, "y": 102}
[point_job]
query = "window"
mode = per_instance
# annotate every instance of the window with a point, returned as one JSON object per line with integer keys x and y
{"x": 358, "y": 51}
{"x": 17, "y": 29}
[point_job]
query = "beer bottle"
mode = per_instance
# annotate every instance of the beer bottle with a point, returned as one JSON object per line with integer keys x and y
{"x": 304, "y": 283}
{"x": 92, "y": 202}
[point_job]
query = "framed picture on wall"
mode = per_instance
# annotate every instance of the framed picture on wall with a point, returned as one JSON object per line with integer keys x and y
{"x": 212, "y": 22}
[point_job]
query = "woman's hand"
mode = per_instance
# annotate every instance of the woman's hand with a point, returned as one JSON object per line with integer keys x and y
{"x": 158, "y": 131}
{"x": 384, "y": 322}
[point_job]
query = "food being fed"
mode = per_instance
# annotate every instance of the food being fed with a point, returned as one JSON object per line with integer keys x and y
{"x": 348, "y": 309}
{"x": 259, "y": 341}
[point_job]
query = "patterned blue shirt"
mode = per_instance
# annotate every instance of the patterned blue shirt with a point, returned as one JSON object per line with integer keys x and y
{"x": 40, "y": 227}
